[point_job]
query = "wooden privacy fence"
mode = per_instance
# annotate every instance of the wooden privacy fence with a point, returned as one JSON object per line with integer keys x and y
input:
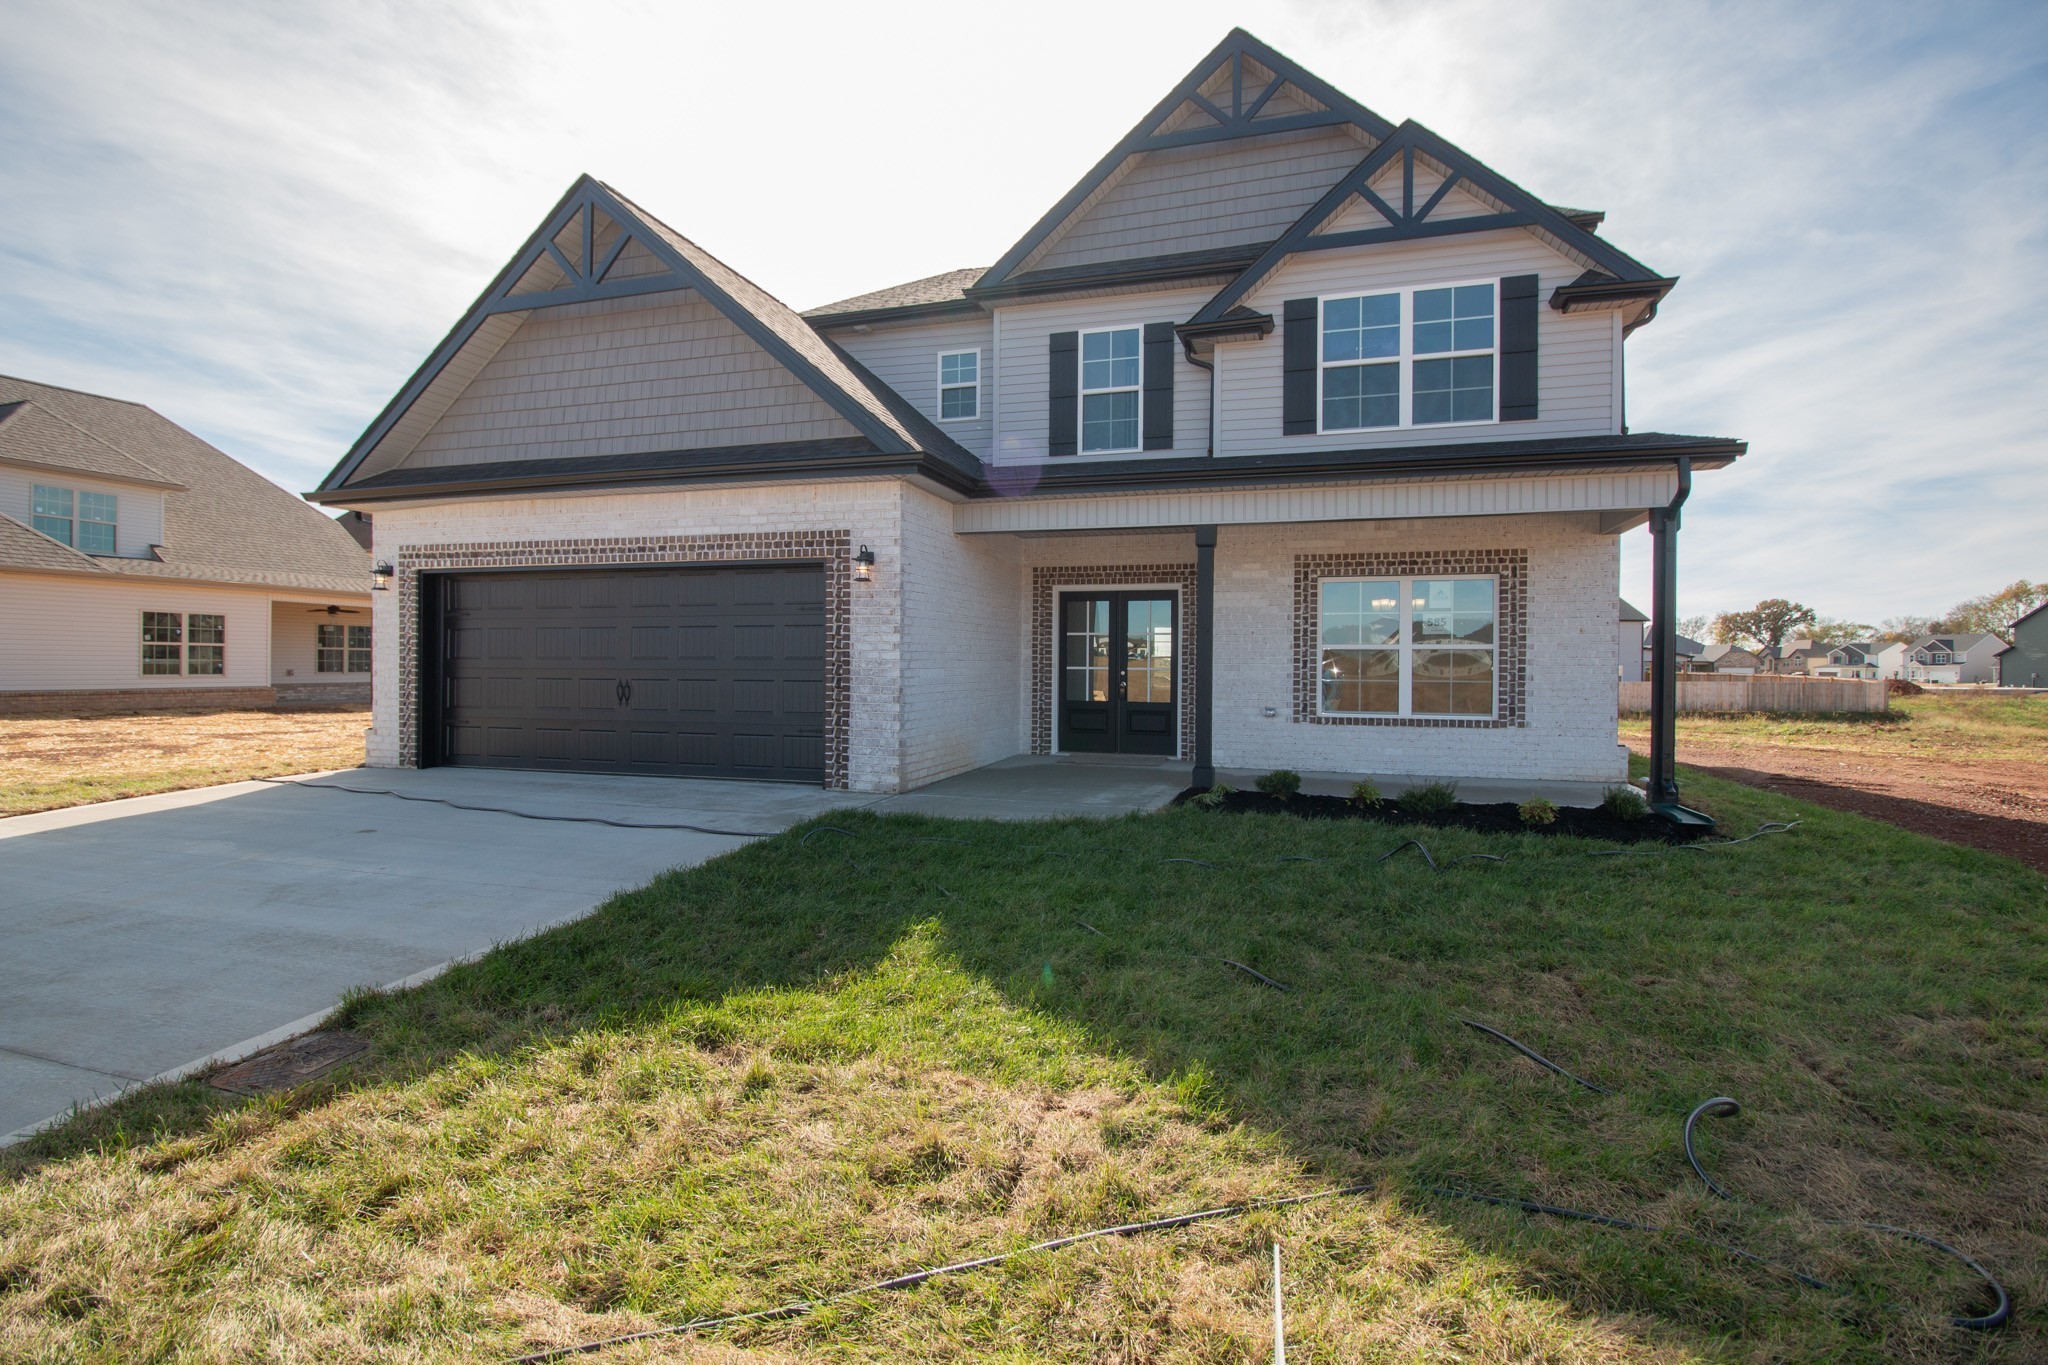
{"x": 1765, "y": 692}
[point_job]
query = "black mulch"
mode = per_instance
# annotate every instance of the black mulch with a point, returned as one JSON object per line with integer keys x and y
{"x": 1495, "y": 818}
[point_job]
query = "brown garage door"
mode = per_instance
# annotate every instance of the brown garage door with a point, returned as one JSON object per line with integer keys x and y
{"x": 680, "y": 672}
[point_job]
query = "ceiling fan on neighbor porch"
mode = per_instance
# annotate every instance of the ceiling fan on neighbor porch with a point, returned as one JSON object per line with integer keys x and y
{"x": 335, "y": 611}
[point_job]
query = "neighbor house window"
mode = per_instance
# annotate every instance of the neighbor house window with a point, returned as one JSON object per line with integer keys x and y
{"x": 1406, "y": 646}
{"x": 195, "y": 644}
{"x": 1110, "y": 373}
{"x": 959, "y": 385}
{"x": 343, "y": 649}
{"x": 1408, "y": 358}
{"x": 84, "y": 521}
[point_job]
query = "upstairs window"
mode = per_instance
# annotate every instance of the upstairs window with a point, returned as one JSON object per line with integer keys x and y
{"x": 84, "y": 521}
{"x": 343, "y": 649}
{"x": 1409, "y": 358}
{"x": 194, "y": 644}
{"x": 1110, "y": 375}
{"x": 959, "y": 385}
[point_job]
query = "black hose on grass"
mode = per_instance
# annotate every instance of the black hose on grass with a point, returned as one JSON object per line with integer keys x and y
{"x": 1417, "y": 845}
{"x": 2002, "y": 1301}
{"x": 917, "y": 1277}
{"x": 1545, "y": 1062}
{"x": 1253, "y": 971}
{"x": 822, "y": 829}
{"x": 523, "y": 815}
{"x": 1198, "y": 862}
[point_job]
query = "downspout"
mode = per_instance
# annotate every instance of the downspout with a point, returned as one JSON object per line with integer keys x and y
{"x": 1187, "y": 348}
{"x": 1661, "y": 786}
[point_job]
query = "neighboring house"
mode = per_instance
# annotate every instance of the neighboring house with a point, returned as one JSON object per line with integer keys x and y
{"x": 1288, "y": 437}
{"x": 2024, "y": 663}
{"x": 1798, "y": 656}
{"x": 1862, "y": 659}
{"x": 139, "y": 566}
{"x": 1688, "y": 650}
{"x": 1728, "y": 659}
{"x": 1632, "y": 643}
{"x": 1963, "y": 658}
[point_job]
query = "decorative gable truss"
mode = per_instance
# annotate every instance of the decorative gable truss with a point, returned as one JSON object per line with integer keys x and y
{"x": 595, "y": 245}
{"x": 1415, "y": 185}
{"x": 1241, "y": 90}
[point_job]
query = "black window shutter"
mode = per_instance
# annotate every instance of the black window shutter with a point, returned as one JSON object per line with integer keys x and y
{"x": 1158, "y": 386}
{"x": 1298, "y": 360}
{"x": 1518, "y": 348}
{"x": 1063, "y": 400}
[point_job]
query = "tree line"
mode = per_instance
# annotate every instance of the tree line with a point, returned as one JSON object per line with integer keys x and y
{"x": 1767, "y": 625}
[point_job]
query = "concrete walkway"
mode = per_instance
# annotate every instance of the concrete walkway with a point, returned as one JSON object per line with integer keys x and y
{"x": 1035, "y": 788}
{"x": 144, "y": 936}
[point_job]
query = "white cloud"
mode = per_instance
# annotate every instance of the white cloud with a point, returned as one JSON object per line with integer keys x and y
{"x": 259, "y": 218}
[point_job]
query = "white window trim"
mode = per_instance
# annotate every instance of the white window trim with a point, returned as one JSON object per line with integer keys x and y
{"x": 1405, "y": 360}
{"x": 1082, "y": 391}
{"x": 1406, "y": 646}
{"x": 939, "y": 372}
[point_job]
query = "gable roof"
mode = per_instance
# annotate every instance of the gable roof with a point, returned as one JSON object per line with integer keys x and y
{"x": 1630, "y": 612}
{"x": 1954, "y": 643}
{"x": 946, "y": 291}
{"x": 1690, "y": 647}
{"x": 2028, "y": 616}
{"x": 33, "y": 437}
{"x": 223, "y": 522}
{"x": 544, "y": 273}
{"x": 1185, "y": 117}
{"x": 1721, "y": 651}
{"x": 1514, "y": 207}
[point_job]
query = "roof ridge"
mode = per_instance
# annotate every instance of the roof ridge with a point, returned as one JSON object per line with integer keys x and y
{"x": 93, "y": 436}
{"x": 82, "y": 393}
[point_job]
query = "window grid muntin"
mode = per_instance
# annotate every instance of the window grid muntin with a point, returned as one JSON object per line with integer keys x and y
{"x": 1405, "y": 360}
{"x": 1406, "y": 645}
{"x": 1118, "y": 377}
{"x": 959, "y": 385}
{"x": 98, "y": 516}
{"x": 341, "y": 648}
{"x": 50, "y": 511}
{"x": 163, "y": 644}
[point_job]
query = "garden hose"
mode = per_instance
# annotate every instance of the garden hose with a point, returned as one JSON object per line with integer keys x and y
{"x": 523, "y": 815}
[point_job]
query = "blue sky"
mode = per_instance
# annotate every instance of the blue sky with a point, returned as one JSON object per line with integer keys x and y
{"x": 258, "y": 218}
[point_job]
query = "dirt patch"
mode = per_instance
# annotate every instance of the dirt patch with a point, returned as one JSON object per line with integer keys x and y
{"x": 2000, "y": 806}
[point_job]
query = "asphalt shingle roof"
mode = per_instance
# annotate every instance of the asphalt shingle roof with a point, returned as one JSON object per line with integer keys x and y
{"x": 941, "y": 288}
{"x": 223, "y": 522}
{"x": 24, "y": 548}
{"x": 32, "y": 435}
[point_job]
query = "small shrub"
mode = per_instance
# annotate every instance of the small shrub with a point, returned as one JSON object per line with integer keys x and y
{"x": 1625, "y": 803}
{"x": 1281, "y": 782}
{"x": 1537, "y": 811}
{"x": 1431, "y": 798}
{"x": 1212, "y": 798}
{"x": 1365, "y": 794}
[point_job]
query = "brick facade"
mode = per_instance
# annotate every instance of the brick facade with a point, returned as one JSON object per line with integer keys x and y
{"x": 1046, "y": 582}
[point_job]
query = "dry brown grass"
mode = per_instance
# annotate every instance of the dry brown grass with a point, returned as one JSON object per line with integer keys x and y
{"x": 47, "y": 762}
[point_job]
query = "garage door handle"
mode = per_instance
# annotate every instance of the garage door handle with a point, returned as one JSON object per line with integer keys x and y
{"x": 625, "y": 691}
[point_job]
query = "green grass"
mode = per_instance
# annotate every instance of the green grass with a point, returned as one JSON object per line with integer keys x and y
{"x": 814, "y": 1063}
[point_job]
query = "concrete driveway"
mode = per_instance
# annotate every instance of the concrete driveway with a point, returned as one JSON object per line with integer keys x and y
{"x": 142, "y": 937}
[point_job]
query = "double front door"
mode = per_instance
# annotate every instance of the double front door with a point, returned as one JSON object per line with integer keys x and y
{"x": 1117, "y": 689}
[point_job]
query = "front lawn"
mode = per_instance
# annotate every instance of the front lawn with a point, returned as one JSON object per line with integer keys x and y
{"x": 47, "y": 762}
{"x": 829, "y": 1058}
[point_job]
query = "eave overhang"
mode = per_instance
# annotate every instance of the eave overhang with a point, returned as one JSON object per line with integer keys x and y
{"x": 1181, "y": 267}
{"x": 906, "y": 312}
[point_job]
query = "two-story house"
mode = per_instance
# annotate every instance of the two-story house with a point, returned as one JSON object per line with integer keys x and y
{"x": 1969, "y": 657}
{"x": 1863, "y": 659}
{"x": 1290, "y": 436}
{"x": 2024, "y": 662}
{"x": 140, "y": 567}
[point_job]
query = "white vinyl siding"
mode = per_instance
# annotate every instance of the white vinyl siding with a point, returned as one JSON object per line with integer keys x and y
{"x": 1207, "y": 196}
{"x": 901, "y": 355}
{"x": 1023, "y": 332}
{"x": 141, "y": 510}
{"x": 1577, "y": 357}
{"x": 67, "y": 633}
{"x": 627, "y": 376}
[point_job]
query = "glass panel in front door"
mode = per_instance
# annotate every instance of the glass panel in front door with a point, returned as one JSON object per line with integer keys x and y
{"x": 1148, "y": 649}
{"x": 1086, "y": 657}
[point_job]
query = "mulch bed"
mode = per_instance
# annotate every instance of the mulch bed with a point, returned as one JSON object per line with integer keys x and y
{"x": 1493, "y": 818}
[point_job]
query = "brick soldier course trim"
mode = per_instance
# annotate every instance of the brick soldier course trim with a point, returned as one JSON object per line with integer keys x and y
{"x": 1045, "y": 580}
{"x": 1511, "y": 629}
{"x": 832, "y": 548}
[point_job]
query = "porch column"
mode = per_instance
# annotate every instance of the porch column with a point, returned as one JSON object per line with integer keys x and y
{"x": 1662, "y": 784}
{"x": 1205, "y": 648}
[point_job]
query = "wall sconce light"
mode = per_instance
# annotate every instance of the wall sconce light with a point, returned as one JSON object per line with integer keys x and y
{"x": 864, "y": 566}
{"x": 381, "y": 575}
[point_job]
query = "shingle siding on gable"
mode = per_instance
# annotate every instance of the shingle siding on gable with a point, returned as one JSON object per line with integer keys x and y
{"x": 1578, "y": 355}
{"x": 1207, "y": 196}
{"x": 905, "y": 357}
{"x": 661, "y": 372}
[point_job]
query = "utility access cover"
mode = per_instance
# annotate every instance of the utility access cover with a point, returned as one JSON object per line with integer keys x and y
{"x": 290, "y": 1063}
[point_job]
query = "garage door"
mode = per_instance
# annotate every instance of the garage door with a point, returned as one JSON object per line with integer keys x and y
{"x": 680, "y": 672}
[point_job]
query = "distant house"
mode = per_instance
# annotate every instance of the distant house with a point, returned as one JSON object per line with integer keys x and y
{"x": 1729, "y": 659}
{"x": 1632, "y": 645}
{"x": 1797, "y": 656}
{"x": 1862, "y": 659}
{"x": 140, "y": 566}
{"x": 1689, "y": 651}
{"x": 2024, "y": 662}
{"x": 1958, "y": 658}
